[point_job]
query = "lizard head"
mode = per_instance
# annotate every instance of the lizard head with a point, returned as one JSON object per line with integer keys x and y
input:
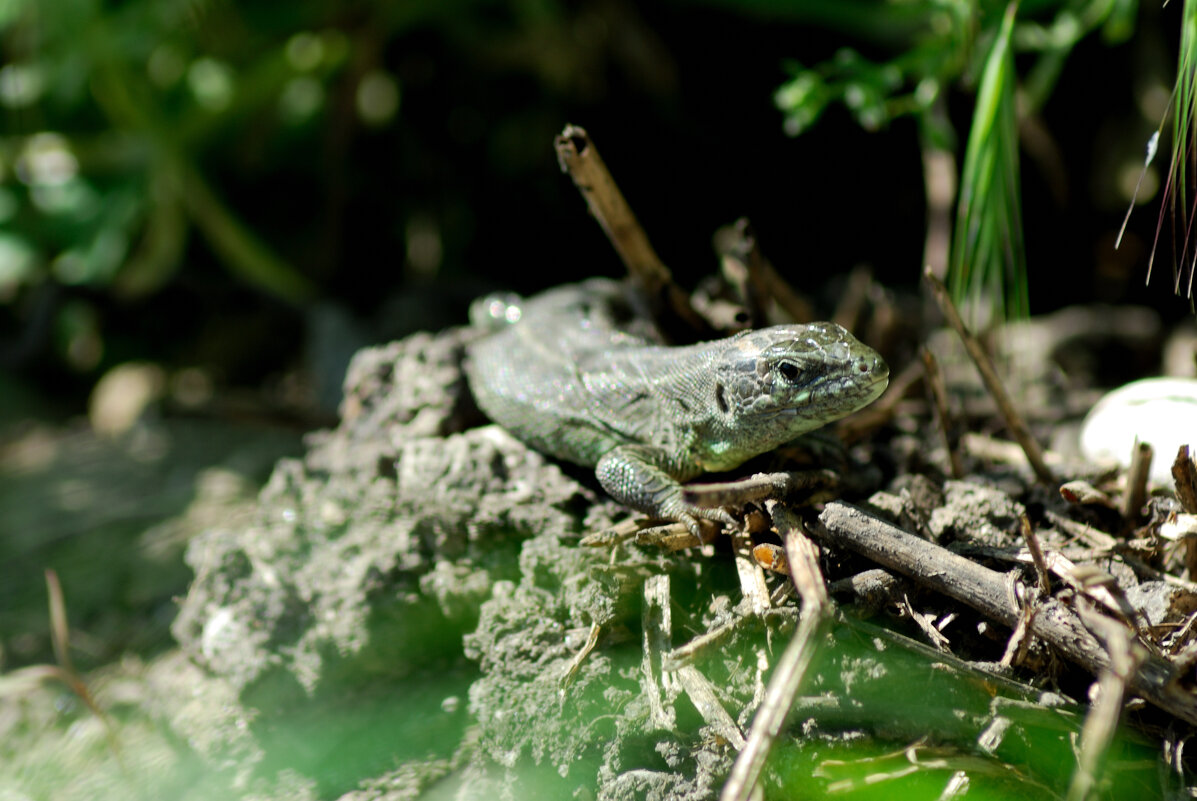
{"x": 782, "y": 381}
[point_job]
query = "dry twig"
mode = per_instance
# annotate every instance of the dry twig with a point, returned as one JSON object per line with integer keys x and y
{"x": 592, "y": 638}
{"x": 60, "y": 638}
{"x": 1184, "y": 473}
{"x": 990, "y": 377}
{"x": 947, "y": 425}
{"x": 702, "y": 695}
{"x": 986, "y": 591}
{"x": 752, "y": 577}
{"x": 740, "y": 261}
{"x": 852, "y": 300}
{"x": 757, "y": 487}
{"x": 1032, "y": 541}
{"x": 1082, "y": 493}
{"x": 578, "y": 156}
{"x": 793, "y": 663}
{"x": 1136, "y": 482}
{"x": 738, "y": 245}
{"x": 1102, "y": 721}
{"x": 657, "y": 625}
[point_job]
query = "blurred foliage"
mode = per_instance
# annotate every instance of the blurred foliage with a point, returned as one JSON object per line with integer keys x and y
{"x": 138, "y": 137}
{"x": 146, "y": 142}
{"x": 941, "y": 43}
{"x": 110, "y": 113}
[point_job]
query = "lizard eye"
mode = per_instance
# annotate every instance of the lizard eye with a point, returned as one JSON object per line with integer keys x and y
{"x": 789, "y": 371}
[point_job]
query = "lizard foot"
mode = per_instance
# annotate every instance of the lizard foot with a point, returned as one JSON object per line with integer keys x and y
{"x": 694, "y": 516}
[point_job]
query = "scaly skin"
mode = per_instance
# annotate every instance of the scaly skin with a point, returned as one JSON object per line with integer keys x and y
{"x": 580, "y": 376}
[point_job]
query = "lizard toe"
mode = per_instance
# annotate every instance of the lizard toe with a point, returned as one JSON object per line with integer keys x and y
{"x": 691, "y": 523}
{"x": 717, "y": 514}
{"x": 726, "y": 517}
{"x": 702, "y": 526}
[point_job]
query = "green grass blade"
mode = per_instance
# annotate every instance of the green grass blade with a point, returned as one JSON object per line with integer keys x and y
{"x": 1183, "y": 133}
{"x": 988, "y": 267}
{"x": 1176, "y": 194}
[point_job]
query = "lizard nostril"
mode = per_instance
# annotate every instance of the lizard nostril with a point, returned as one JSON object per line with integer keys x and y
{"x": 721, "y": 397}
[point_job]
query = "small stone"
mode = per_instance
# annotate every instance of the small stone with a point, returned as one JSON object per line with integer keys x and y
{"x": 1159, "y": 411}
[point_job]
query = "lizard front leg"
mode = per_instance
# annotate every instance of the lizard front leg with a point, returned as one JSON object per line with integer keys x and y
{"x": 634, "y": 476}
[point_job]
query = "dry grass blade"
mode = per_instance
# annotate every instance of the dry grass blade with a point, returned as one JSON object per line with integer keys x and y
{"x": 1102, "y": 721}
{"x": 752, "y": 576}
{"x": 702, "y": 694}
{"x": 1184, "y": 473}
{"x": 592, "y": 639}
{"x": 60, "y": 636}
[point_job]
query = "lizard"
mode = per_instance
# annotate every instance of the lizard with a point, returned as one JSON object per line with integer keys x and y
{"x": 580, "y": 373}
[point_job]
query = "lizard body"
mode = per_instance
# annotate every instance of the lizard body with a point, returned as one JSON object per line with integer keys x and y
{"x": 579, "y": 374}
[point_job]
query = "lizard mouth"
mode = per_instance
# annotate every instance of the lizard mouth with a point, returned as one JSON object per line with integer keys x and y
{"x": 866, "y": 378}
{"x": 835, "y": 396}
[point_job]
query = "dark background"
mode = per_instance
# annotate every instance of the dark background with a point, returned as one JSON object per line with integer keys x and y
{"x": 677, "y": 96}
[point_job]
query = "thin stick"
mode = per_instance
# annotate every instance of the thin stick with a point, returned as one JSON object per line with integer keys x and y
{"x": 1102, "y": 721}
{"x": 740, "y": 259}
{"x": 578, "y": 156}
{"x": 752, "y": 576}
{"x": 756, "y": 487}
{"x": 60, "y": 636}
{"x": 989, "y": 376}
{"x": 1136, "y": 482}
{"x": 1184, "y": 473}
{"x": 702, "y": 694}
{"x": 852, "y": 300}
{"x": 657, "y": 625}
{"x": 986, "y": 591}
{"x": 1032, "y": 541}
{"x": 791, "y": 666}
{"x": 738, "y": 243}
{"x": 947, "y": 427}
{"x": 1081, "y": 531}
